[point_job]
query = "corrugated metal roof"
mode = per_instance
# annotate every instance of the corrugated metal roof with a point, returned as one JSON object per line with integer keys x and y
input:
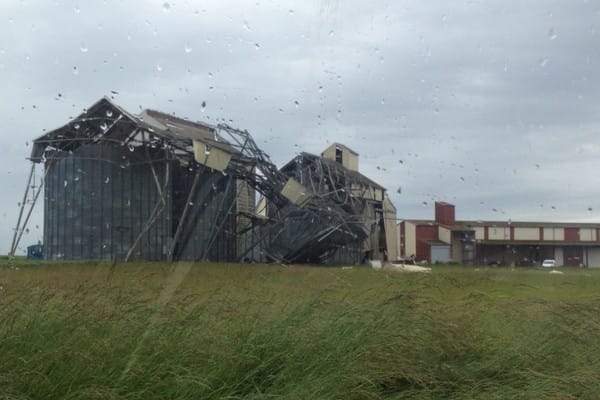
{"x": 109, "y": 121}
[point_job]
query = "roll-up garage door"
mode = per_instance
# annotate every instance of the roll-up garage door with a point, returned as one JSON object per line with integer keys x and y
{"x": 440, "y": 253}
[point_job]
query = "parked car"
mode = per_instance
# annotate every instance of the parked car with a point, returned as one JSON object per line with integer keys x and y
{"x": 549, "y": 263}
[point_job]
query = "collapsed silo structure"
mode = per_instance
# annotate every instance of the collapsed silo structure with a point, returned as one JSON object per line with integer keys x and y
{"x": 119, "y": 186}
{"x": 154, "y": 186}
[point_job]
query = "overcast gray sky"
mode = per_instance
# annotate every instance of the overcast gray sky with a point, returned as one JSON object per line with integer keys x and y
{"x": 490, "y": 105}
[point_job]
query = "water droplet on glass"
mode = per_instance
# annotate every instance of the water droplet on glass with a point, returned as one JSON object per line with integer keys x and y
{"x": 76, "y": 179}
{"x": 75, "y": 71}
{"x": 76, "y": 127}
{"x": 424, "y": 204}
{"x": 210, "y": 74}
{"x": 166, "y": 6}
{"x": 543, "y": 62}
{"x": 203, "y": 106}
{"x": 103, "y": 126}
{"x": 130, "y": 147}
{"x": 296, "y": 103}
{"x": 109, "y": 113}
{"x": 65, "y": 183}
{"x": 77, "y": 9}
{"x": 552, "y": 34}
{"x": 187, "y": 48}
{"x": 107, "y": 179}
{"x": 247, "y": 26}
{"x": 158, "y": 68}
{"x": 256, "y": 46}
{"x": 590, "y": 209}
{"x": 83, "y": 48}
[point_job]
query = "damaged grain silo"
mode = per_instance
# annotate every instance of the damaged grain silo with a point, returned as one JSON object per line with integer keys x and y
{"x": 368, "y": 213}
{"x": 157, "y": 187}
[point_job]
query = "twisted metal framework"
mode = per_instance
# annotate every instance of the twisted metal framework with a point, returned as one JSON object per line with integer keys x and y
{"x": 330, "y": 216}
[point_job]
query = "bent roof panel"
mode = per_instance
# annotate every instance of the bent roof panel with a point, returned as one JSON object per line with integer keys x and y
{"x": 334, "y": 164}
{"x": 114, "y": 123}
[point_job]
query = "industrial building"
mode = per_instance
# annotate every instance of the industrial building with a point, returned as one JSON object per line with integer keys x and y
{"x": 154, "y": 186}
{"x": 511, "y": 243}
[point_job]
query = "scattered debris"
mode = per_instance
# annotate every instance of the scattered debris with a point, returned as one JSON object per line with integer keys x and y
{"x": 406, "y": 268}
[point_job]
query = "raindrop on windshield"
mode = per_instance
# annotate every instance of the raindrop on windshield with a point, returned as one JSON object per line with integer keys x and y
{"x": 109, "y": 113}
{"x": 552, "y": 34}
{"x": 103, "y": 126}
{"x": 107, "y": 179}
{"x": 187, "y": 48}
{"x": 166, "y": 6}
{"x": 83, "y": 48}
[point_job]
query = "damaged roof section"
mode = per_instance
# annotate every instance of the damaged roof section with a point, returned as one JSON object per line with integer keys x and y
{"x": 315, "y": 209}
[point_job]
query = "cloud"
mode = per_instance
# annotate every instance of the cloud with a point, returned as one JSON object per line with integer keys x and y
{"x": 488, "y": 105}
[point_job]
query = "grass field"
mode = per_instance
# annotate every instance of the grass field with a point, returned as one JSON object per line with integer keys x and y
{"x": 207, "y": 331}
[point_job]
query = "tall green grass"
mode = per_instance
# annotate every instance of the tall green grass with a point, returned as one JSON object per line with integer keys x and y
{"x": 211, "y": 331}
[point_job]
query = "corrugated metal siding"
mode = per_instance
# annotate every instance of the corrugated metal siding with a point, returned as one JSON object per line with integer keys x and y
{"x": 209, "y": 231}
{"x": 96, "y": 202}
